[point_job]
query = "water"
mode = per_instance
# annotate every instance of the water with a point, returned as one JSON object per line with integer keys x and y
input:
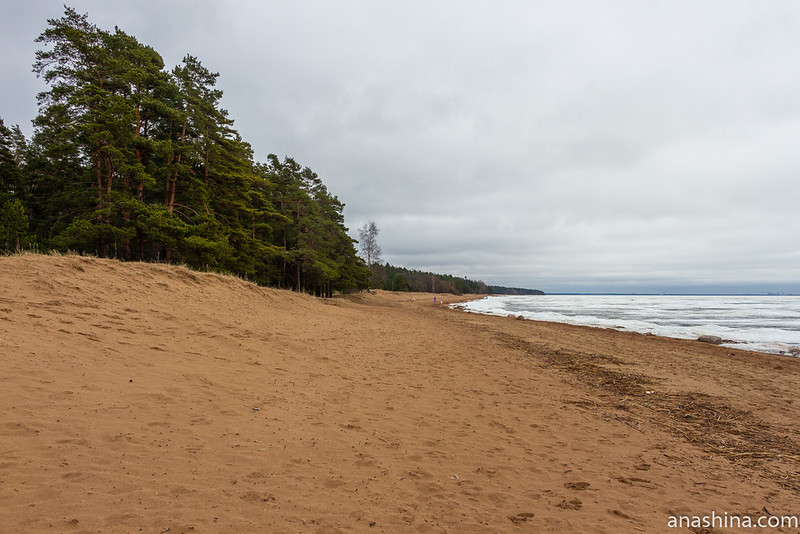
{"x": 757, "y": 323}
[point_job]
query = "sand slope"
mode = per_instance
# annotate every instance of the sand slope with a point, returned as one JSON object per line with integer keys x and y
{"x": 148, "y": 398}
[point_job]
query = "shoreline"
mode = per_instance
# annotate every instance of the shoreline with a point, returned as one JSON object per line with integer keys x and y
{"x": 709, "y": 331}
{"x": 140, "y": 396}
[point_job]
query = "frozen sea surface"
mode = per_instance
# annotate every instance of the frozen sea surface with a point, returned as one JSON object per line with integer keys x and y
{"x": 757, "y": 323}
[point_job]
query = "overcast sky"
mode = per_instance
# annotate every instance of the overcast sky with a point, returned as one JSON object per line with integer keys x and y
{"x": 564, "y": 145}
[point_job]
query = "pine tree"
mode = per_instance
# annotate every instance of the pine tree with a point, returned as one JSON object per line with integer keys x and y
{"x": 14, "y": 233}
{"x": 132, "y": 161}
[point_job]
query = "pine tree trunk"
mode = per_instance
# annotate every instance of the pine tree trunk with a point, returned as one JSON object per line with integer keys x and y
{"x": 208, "y": 155}
{"x": 109, "y": 173}
{"x": 172, "y": 185}
{"x": 99, "y": 184}
{"x": 171, "y": 205}
{"x": 126, "y": 241}
{"x": 139, "y": 244}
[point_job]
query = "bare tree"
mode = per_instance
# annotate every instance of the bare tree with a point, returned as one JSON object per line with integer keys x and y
{"x": 368, "y": 242}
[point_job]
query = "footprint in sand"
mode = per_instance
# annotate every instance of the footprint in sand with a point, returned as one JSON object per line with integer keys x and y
{"x": 574, "y": 504}
{"x": 18, "y": 429}
{"x": 521, "y": 517}
{"x": 255, "y": 497}
{"x": 578, "y": 486}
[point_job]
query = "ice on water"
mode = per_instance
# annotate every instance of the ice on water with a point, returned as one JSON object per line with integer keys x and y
{"x": 758, "y": 323}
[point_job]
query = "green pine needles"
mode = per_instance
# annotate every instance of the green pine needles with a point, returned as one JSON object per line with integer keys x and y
{"x": 131, "y": 161}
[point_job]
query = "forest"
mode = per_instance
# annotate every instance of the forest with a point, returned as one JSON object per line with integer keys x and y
{"x": 391, "y": 278}
{"x": 132, "y": 161}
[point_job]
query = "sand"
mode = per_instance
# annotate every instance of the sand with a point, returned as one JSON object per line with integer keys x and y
{"x": 149, "y": 398}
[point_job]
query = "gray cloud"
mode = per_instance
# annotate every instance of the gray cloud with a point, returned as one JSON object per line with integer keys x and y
{"x": 566, "y": 146}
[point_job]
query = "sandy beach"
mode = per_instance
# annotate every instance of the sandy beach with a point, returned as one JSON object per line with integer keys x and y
{"x": 150, "y": 398}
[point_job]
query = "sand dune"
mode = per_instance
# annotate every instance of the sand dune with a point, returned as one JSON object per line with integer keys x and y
{"x": 149, "y": 398}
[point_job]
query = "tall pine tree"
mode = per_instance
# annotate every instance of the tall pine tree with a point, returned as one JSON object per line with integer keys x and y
{"x": 136, "y": 162}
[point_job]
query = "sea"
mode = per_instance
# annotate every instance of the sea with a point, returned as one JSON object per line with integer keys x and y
{"x": 756, "y": 323}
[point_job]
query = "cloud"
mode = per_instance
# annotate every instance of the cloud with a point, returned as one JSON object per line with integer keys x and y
{"x": 554, "y": 145}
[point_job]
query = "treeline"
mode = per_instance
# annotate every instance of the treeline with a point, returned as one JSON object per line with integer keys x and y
{"x": 393, "y": 278}
{"x": 133, "y": 161}
{"x": 500, "y": 290}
